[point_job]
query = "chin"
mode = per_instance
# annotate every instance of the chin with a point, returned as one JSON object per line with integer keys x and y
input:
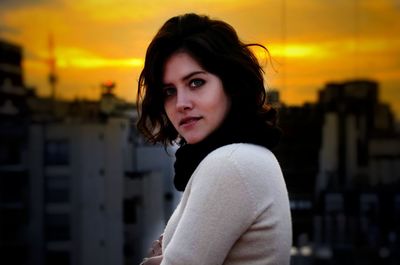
{"x": 193, "y": 139}
{"x": 190, "y": 141}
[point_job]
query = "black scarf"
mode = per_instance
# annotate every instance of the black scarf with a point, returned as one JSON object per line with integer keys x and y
{"x": 233, "y": 130}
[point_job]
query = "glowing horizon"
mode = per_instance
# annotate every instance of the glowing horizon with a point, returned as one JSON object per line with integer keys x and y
{"x": 310, "y": 42}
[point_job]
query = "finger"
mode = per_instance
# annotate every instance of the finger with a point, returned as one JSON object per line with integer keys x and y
{"x": 143, "y": 261}
{"x": 157, "y": 251}
{"x": 156, "y": 243}
{"x": 150, "y": 252}
{"x": 157, "y": 248}
{"x": 152, "y": 261}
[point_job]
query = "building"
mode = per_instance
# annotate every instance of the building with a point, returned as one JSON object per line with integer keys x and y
{"x": 359, "y": 143}
{"x": 14, "y": 168}
{"x": 77, "y": 191}
{"x": 340, "y": 158}
{"x": 77, "y": 183}
{"x": 358, "y": 182}
{"x": 149, "y": 198}
{"x": 101, "y": 194}
{"x": 298, "y": 153}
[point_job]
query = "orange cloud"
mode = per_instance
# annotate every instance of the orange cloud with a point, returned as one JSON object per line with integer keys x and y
{"x": 311, "y": 42}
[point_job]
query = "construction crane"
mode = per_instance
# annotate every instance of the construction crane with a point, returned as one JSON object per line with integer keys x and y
{"x": 52, "y": 68}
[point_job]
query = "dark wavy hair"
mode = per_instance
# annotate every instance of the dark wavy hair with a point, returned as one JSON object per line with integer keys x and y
{"x": 216, "y": 46}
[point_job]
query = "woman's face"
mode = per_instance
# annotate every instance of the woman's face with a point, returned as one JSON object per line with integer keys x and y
{"x": 194, "y": 99}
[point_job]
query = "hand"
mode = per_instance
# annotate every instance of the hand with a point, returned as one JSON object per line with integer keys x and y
{"x": 156, "y": 248}
{"x": 156, "y": 260}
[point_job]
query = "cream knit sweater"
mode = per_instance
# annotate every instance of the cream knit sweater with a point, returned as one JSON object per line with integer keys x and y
{"x": 234, "y": 210}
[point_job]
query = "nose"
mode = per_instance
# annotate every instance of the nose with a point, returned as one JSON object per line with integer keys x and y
{"x": 183, "y": 101}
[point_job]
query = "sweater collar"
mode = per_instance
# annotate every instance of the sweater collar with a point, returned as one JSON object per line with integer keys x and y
{"x": 233, "y": 130}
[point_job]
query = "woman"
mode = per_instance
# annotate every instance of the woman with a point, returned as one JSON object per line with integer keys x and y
{"x": 204, "y": 89}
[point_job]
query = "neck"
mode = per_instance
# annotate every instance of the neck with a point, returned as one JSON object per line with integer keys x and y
{"x": 232, "y": 130}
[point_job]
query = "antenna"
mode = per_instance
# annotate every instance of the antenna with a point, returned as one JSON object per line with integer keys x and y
{"x": 356, "y": 41}
{"x": 52, "y": 67}
{"x": 284, "y": 44}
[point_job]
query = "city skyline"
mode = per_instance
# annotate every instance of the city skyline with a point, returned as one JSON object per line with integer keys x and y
{"x": 311, "y": 43}
{"x": 80, "y": 185}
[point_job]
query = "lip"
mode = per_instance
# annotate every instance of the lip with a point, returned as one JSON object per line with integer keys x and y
{"x": 187, "y": 121}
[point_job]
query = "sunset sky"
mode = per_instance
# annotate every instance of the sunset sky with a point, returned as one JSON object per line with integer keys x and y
{"x": 311, "y": 41}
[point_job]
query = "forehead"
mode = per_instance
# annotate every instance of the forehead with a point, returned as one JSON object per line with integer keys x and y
{"x": 179, "y": 65}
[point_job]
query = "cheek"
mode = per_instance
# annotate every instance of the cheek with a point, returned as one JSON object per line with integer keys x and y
{"x": 223, "y": 105}
{"x": 224, "y": 111}
{"x": 169, "y": 111}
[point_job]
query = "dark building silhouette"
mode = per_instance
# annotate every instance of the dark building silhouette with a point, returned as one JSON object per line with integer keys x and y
{"x": 62, "y": 166}
{"x": 77, "y": 183}
{"x": 14, "y": 175}
{"x": 298, "y": 154}
{"x": 357, "y": 186}
{"x": 357, "y": 129}
{"x": 341, "y": 160}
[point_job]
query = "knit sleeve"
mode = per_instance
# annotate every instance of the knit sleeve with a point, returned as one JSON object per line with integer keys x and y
{"x": 219, "y": 209}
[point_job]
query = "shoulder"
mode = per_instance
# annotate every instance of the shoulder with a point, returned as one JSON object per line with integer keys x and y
{"x": 243, "y": 156}
{"x": 246, "y": 169}
{"x": 252, "y": 163}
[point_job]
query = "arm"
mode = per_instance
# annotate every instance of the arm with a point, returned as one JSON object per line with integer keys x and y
{"x": 155, "y": 249}
{"x": 155, "y": 260}
{"x": 219, "y": 209}
{"x": 154, "y": 257}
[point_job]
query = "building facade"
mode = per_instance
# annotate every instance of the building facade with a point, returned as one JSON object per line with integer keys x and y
{"x": 78, "y": 186}
{"x": 14, "y": 168}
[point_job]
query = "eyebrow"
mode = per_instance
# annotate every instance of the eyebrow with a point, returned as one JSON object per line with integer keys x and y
{"x": 188, "y": 76}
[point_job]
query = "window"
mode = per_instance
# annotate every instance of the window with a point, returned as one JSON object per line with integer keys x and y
{"x": 54, "y": 257}
{"x": 10, "y": 151}
{"x": 18, "y": 254}
{"x": 14, "y": 187}
{"x": 130, "y": 209}
{"x": 57, "y": 227}
{"x": 57, "y": 189}
{"x": 57, "y": 152}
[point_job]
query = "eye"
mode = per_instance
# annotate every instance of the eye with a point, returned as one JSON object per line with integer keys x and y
{"x": 195, "y": 83}
{"x": 169, "y": 91}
